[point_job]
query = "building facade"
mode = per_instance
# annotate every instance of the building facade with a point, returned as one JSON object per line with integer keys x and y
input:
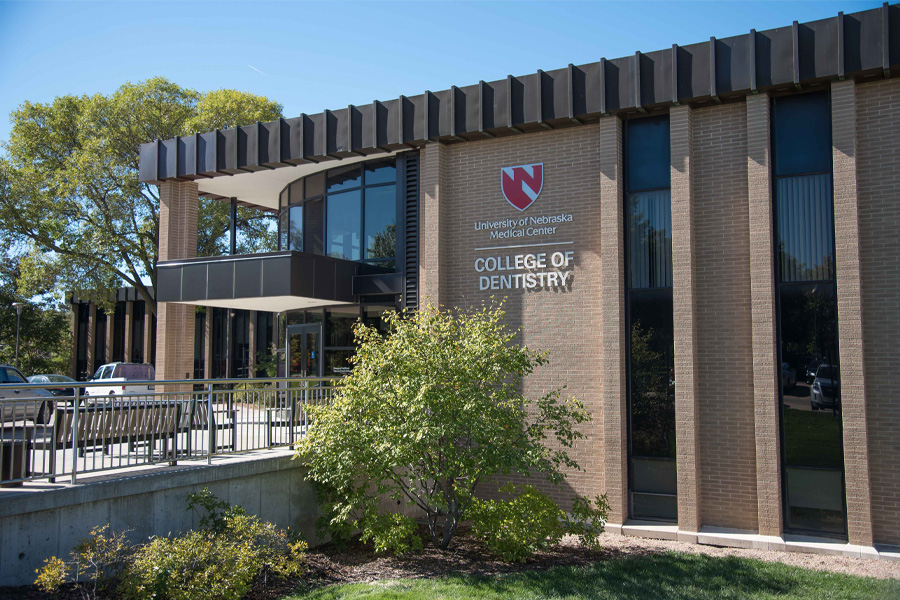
{"x": 703, "y": 238}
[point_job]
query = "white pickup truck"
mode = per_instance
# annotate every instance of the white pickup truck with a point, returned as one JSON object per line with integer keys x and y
{"x": 117, "y": 375}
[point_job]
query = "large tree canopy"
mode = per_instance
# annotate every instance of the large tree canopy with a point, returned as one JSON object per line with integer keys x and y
{"x": 70, "y": 199}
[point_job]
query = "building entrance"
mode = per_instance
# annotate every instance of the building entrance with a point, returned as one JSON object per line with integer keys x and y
{"x": 304, "y": 350}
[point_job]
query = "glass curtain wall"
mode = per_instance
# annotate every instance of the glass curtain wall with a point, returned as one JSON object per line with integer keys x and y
{"x": 812, "y": 446}
{"x": 348, "y": 213}
{"x": 651, "y": 365}
{"x": 137, "y": 332}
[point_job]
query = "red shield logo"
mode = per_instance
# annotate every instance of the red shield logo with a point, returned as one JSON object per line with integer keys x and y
{"x": 523, "y": 184}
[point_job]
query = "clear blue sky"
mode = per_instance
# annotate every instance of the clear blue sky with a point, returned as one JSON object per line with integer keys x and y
{"x": 315, "y": 55}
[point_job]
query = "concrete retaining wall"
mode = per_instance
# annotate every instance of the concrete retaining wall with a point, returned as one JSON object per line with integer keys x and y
{"x": 42, "y": 520}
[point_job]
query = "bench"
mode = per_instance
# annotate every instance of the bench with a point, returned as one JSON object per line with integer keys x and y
{"x": 197, "y": 418}
{"x": 101, "y": 426}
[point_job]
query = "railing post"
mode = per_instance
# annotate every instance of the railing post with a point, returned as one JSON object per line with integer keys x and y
{"x": 210, "y": 430}
{"x": 75, "y": 403}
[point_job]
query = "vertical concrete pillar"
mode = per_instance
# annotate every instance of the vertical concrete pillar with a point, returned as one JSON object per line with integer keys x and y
{"x": 687, "y": 380}
{"x": 91, "y": 338}
{"x": 850, "y": 323}
{"x": 764, "y": 333}
{"x": 129, "y": 338}
{"x": 110, "y": 331}
{"x": 208, "y": 344}
{"x": 433, "y": 165}
{"x": 251, "y": 342}
{"x": 73, "y": 346}
{"x": 177, "y": 239}
{"x": 612, "y": 314}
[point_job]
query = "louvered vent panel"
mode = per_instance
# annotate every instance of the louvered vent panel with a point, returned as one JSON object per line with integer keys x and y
{"x": 411, "y": 238}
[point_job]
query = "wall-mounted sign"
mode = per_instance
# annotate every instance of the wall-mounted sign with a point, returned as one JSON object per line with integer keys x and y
{"x": 535, "y": 265}
{"x": 522, "y": 185}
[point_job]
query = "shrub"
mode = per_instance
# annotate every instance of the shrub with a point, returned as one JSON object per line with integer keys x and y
{"x": 427, "y": 413}
{"x": 98, "y": 559}
{"x": 392, "y": 532}
{"x": 516, "y": 529}
{"x": 588, "y": 520}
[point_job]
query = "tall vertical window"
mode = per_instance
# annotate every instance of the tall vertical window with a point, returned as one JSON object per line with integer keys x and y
{"x": 99, "y": 339}
{"x": 812, "y": 449}
{"x": 348, "y": 212}
{"x": 137, "y": 332}
{"x": 651, "y": 365}
{"x": 200, "y": 344}
{"x": 81, "y": 365}
{"x": 118, "y": 348}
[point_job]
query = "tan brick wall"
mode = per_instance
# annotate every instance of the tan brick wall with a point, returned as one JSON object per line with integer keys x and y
{"x": 878, "y": 169}
{"x": 687, "y": 429}
{"x": 724, "y": 348}
{"x": 432, "y": 239}
{"x": 612, "y": 320}
{"x": 849, "y": 300}
{"x": 566, "y": 322}
{"x": 177, "y": 239}
{"x": 764, "y": 335}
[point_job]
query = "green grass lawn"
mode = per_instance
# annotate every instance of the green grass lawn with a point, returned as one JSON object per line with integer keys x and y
{"x": 670, "y": 575}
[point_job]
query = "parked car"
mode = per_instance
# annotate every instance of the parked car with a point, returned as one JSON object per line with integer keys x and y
{"x": 788, "y": 376}
{"x": 32, "y": 404}
{"x": 66, "y": 390}
{"x": 117, "y": 375}
{"x": 826, "y": 388}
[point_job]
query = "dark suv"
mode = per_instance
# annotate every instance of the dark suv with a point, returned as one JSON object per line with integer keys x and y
{"x": 30, "y": 403}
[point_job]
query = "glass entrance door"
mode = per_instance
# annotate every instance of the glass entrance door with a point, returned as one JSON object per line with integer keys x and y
{"x": 304, "y": 350}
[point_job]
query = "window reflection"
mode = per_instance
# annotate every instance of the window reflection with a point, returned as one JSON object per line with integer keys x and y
{"x": 381, "y": 222}
{"x": 296, "y": 228}
{"x": 343, "y": 226}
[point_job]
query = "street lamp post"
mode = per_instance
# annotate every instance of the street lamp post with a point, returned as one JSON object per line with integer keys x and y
{"x": 19, "y": 306}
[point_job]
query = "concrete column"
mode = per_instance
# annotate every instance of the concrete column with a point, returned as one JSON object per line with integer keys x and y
{"x": 765, "y": 335}
{"x": 433, "y": 165}
{"x": 687, "y": 380}
{"x": 207, "y": 344}
{"x": 91, "y": 338}
{"x": 177, "y": 239}
{"x": 110, "y": 331}
{"x": 73, "y": 346}
{"x": 251, "y": 339}
{"x": 612, "y": 314}
{"x": 850, "y": 322}
{"x": 129, "y": 341}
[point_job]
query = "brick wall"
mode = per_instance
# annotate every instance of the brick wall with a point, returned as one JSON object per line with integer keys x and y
{"x": 566, "y": 322}
{"x": 878, "y": 168}
{"x": 722, "y": 245}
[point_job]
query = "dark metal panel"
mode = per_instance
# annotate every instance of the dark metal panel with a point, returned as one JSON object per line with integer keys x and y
{"x": 168, "y": 158}
{"x": 500, "y": 106}
{"x": 656, "y": 78}
{"x": 516, "y": 108}
{"x": 694, "y": 60}
{"x": 415, "y": 121}
{"x": 408, "y": 259}
{"x": 276, "y": 276}
{"x": 440, "y": 114}
{"x": 248, "y": 278}
{"x": 314, "y": 134}
{"x": 733, "y": 64}
{"x": 187, "y": 158}
{"x": 391, "y": 129}
{"x": 269, "y": 143}
{"x": 248, "y": 146}
{"x": 147, "y": 163}
{"x": 467, "y": 107}
{"x": 485, "y": 107}
{"x": 619, "y": 91}
{"x": 206, "y": 153}
{"x": 168, "y": 283}
{"x": 818, "y": 44}
{"x": 592, "y": 89}
{"x": 556, "y": 94}
{"x": 343, "y": 275}
{"x": 220, "y": 280}
{"x": 194, "y": 281}
{"x": 775, "y": 57}
{"x": 302, "y": 272}
{"x": 893, "y": 29}
{"x": 531, "y": 110}
{"x": 293, "y": 141}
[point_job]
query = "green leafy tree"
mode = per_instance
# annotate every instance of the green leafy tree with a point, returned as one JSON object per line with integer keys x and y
{"x": 70, "y": 199}
{"x": 44, "y": 335}
{"x": 429, "y": 412}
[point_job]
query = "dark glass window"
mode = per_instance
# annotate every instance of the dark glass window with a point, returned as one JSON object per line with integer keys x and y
{"x": 118, "y": 349}
{"x": 219, "y": 342}
{"x": 812, "y": 447}
{"x": 265, "y": 323}
{"x": 340, "y": 326}
{"x": 651, "y": 362}
{"x": 348, "y": 212}
{"x": 81, "y": 366}
{"x": 99, "y": 339}
{"x": 381, "y": 222}
{"x": 240, "y": 344}
{"x": 199, "y": 345}
{"x": 137, "y": 332}
{"x": 343, "y": 225}
{"x": 343, "y": 178}
{"x": 295, "y": 241}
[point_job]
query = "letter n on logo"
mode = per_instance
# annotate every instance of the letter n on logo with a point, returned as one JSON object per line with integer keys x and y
{"x": 522, "y": 185}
